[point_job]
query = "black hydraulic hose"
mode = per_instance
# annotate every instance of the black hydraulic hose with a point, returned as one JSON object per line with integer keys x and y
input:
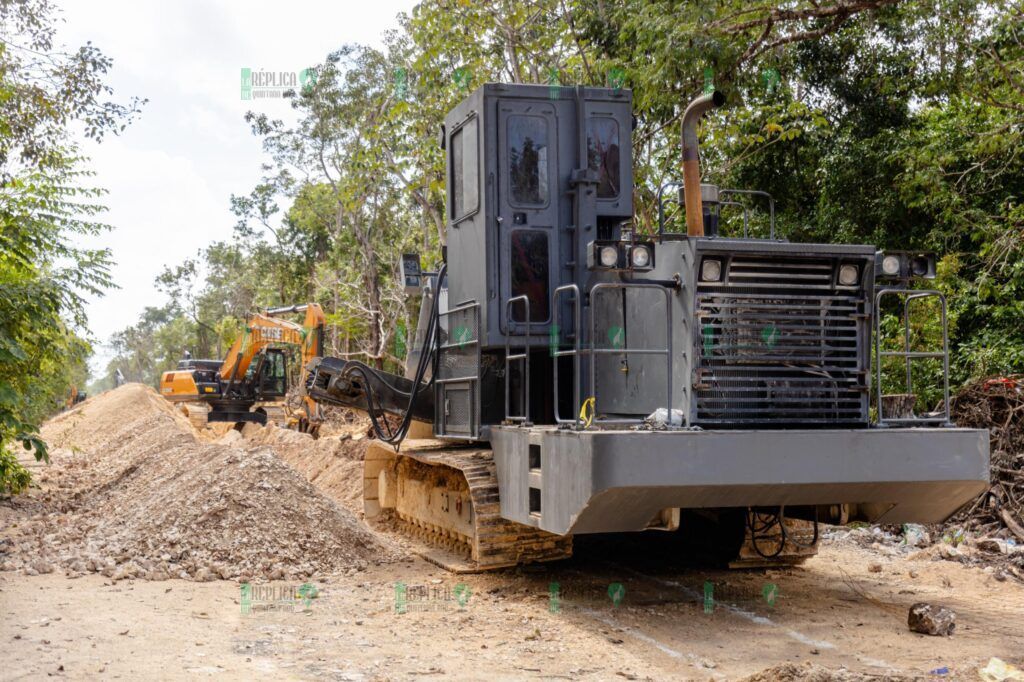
{"x": 386, "y": 433}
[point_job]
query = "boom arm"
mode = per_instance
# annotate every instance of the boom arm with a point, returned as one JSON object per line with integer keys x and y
{"x": 262, "y": 330}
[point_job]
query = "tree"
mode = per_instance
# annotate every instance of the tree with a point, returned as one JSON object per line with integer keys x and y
{"x": 45, "y": 201}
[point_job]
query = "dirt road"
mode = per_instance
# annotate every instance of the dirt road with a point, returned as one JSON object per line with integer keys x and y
{"x": 135, "y": 491}
{"x": 838, "y": 610}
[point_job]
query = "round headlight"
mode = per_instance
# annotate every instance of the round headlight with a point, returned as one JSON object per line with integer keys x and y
{"x": 848, "y": 275}
{"x": 711, "y": 270}
{"x": 640, "y": 256}
{"x": 891, "y": 265}
{"x": 609, "y": 256}
{"x": 918, "y": 266}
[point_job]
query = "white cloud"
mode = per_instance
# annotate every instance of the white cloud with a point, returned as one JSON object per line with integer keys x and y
{"x": 171, "y": 174}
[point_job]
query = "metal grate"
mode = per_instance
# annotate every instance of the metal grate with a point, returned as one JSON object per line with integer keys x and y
{"x": 458, "y": 410}
{"x": 779, "y": 343}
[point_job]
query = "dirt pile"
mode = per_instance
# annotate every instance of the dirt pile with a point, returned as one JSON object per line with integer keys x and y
{"x": 134, "y": 492}
{"x": 334, "y": 463}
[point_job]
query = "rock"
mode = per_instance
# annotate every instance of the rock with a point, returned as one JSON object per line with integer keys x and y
{"x": 42, "y": 566}
{"x": 915, "y": 535}
{"x": 931, "y": 620}
{"x": 949, "y": 552}
{"x": 875, "y": 567}
{"x": 204, "y": 575}
{"x": 994, "y": 545}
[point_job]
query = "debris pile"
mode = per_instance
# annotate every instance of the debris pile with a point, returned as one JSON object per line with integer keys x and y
{"x": 810, "y": 672}
{"x": 998, "y": 405}
{"x": 135, "y": 493}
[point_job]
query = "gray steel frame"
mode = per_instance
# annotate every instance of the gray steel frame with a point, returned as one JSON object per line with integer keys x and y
{"x": 911, "y": 295}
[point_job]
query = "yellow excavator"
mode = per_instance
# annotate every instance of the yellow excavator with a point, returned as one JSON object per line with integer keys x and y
{"x": 255, "y": 371}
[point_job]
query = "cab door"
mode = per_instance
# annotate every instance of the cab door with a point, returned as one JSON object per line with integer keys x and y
{"x": 273, "y": 380}
{"x": 529, "y": 197}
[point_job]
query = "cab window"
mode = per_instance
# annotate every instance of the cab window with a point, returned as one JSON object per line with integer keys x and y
{"x": 603, "y": 155}
{"x": 530, "y": 274}
{"x": 528, "y": 160}
{"x": 464, "y": 170}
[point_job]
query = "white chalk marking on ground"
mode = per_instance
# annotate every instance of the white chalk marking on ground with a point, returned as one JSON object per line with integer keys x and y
{"x": 647, "y": 639}
{"x": 754, "y": 618}
{"x": 611, "y": 622}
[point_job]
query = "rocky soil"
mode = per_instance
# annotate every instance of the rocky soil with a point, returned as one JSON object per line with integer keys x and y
{"x": 135, "y": 492}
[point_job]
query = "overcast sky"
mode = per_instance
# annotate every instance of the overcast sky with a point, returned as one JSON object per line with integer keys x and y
{"x": 172, "y": 173}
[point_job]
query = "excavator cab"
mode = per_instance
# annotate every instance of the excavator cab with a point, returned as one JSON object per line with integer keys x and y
{"x": 272, "y": 370}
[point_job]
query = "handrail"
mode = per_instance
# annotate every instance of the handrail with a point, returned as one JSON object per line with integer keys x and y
{"x": 758, "y": 193}
{"x": 575, "y": 352}
{"x": 908, "y": 355}
{"x": 524, "y": 356}
{"x": 661, "y": 205}
{"x": 747, "y": 192}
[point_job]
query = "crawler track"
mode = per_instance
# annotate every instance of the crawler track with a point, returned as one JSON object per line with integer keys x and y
{"x": 433, "y": 486}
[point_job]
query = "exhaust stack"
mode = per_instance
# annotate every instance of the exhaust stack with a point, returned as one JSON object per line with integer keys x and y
{"x": 691, "y": 160}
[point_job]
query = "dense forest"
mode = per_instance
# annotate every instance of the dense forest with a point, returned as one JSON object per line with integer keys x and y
{"x": 892, "y": 123}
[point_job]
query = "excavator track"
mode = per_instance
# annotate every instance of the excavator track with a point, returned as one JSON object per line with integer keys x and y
{"x": 447, "y": 498}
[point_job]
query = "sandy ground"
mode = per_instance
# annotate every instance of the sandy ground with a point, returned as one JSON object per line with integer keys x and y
{"x": 834, "y": 611}
{"x": 624, "y": 607}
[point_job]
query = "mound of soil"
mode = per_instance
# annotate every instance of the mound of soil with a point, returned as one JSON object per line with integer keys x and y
{"x": 334, "y": 464}
{"x": 134, "y": 492}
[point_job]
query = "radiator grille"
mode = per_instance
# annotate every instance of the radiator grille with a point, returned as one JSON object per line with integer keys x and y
{"x": 780, "y": 343}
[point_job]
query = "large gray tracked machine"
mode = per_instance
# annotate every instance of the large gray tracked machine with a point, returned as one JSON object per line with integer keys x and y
{"x": 570, "y": 375}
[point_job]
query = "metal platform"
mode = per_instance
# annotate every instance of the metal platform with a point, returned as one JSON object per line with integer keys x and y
{"x": 596, "y": 481}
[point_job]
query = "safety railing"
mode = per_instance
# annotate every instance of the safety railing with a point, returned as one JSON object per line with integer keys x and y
{"x": 556, "y": 351}
{"x": 909, "y": 296}
{"x": 523, "y": 357}
{"x": 753, "y": 193}
{"x": 721, "y": 193}
{"x": 450, "y": 370}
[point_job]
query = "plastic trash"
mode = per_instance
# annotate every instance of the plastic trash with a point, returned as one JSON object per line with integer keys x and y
{"x": 660, "y": 417}
{"x": 1000, "y": 671}
{"x": 915, "y": 535}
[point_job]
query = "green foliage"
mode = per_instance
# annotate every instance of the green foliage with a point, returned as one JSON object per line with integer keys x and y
{"x": 46, "y": 206}
{"x": 14, "y": 478}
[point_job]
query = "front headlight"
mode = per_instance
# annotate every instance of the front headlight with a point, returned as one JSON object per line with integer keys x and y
{"x": 711, "y": 270}
{"x": 640, "y": 256}
{"x": 891, "y": 266}
{"x": 848, "y": 275}
{"x": 609, "y": 256}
